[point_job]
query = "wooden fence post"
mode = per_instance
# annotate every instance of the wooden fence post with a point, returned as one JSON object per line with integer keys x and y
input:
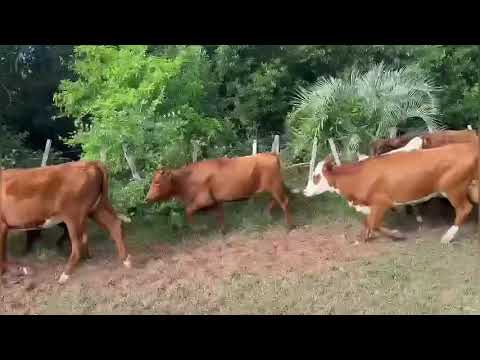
{"x": 393, "y": 132}
{"x": 131, "y": 163}
{"x": 276, "y": 144}
{"x": 195, "y": 151}
{"x": 334, "y": 151}
{"x": 312, "y": 159}
{"x": 254, "y": 147}
{"x": 103, "y": 155}
{"x": 48, "y": 144}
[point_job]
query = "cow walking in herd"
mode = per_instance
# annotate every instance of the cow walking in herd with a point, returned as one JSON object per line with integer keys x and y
{"x": 404, "y": 171}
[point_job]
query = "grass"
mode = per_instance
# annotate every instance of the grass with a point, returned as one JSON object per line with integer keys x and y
{"x": 418, "y": 276}
{"x": 423, "y": 278}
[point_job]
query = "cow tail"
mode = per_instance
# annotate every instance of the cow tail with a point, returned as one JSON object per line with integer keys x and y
{"x": 280, "y": 167}
{"x": 105, "y": 192}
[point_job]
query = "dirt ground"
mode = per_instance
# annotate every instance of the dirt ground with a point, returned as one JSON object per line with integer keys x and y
{"x": 236, "y": 273}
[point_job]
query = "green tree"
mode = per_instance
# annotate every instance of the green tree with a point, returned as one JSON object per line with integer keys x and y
{"x": 152, "y": 104}
{"x": 358, "y": 108}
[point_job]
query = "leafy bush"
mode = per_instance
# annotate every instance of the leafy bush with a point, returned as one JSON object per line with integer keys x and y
{"x": 358, "y": 108}
{"x": 155, "y": 105}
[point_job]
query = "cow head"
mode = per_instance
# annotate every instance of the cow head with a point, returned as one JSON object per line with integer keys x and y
{"x": 318, "y": 184}
{"x": 161, "y": 187}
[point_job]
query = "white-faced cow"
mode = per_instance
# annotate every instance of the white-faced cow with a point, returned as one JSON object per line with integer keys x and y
{"x": 39, "y": 198}
{"x": 429, "y": 141}
{"x": 377, "y": 184}
{"x": 208, "y": 184}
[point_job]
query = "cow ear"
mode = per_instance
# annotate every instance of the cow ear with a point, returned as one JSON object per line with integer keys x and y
{"x": 426, "y": 141}
{"x": 328, "y": 165}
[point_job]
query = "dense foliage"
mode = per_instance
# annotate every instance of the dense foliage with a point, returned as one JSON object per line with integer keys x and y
{"x": 159, "y": 101}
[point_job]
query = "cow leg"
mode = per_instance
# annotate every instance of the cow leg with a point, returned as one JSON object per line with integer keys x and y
{"x": 85, "y": 250}
{"x": 75, "y": 230}
{"x": 108, "y": 220}
{"x": 278, "y": 193}
{"x": 220, "y": 215}
{"x": 374, "y": 222}
{"x": 63, "y": 238}
{"x": 202, "y": 201}
{"x": 463, "y": 207}
{"x": 418, "y": 217}
{"x": 3, "y": 248}
{"x": 270, "y": 207}
{"x": 32, "y": 236}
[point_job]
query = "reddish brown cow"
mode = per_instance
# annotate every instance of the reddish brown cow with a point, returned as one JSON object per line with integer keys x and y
{"x": 430, "y": 140}
{"x": 208, "y": 184}
{"x": 32, "y": 199}
{"x": 377, "y": 184}
{"x": 383, "y": 146}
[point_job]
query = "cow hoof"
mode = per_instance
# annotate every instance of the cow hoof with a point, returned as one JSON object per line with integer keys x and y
{"x": 356, "y": 243}
{"x": 128, "y": 262}
{"x": 449, "y": 235}
{"x": 63, "y": 278}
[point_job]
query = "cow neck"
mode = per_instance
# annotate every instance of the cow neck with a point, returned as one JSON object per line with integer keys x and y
{"x": 179, "y": 183}
{"x": 342, "y": 184}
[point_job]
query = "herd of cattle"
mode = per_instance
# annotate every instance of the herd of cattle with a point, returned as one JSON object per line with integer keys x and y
{"x": 400, "y": 172}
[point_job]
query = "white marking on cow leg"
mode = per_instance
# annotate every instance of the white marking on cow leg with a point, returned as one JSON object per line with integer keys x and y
{"x": 128, "y": 262}
{"x": 124, "y": 218}
{"x": 63, "y": 278}
{"x": 450, "y": 234}
{"x": 25, "y": 270}
{"x": 419, "y": 219}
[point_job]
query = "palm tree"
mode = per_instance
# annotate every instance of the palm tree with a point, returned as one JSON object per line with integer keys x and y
{"x": 361, "y": 107}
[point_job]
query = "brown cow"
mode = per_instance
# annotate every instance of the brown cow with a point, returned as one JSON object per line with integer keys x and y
{"x": 208, "y": 184}
{"x": 430, "y": 140}
{"x": 33, "y": 199}
{"x": 377, "y": 184}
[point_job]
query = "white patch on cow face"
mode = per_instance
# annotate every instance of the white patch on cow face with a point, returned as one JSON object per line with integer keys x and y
{"x": 321, "y": 186}
{"x": 449, "y": 235}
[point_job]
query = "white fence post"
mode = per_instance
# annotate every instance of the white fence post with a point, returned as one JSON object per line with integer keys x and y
{"x": 334, "y": 151}
{"x": 393, "y": 132}
{"x": 131, "y": 163}
{"x": 195, "y": 150}
{"x": 276, "y": 144}
{"x": 254, "y": 147}
{"x": 46, "y": 152}
{"x": 103, "y": 155}
{"x": 312, "y": 159}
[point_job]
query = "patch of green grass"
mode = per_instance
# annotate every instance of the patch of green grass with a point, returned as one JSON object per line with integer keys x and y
{"x": 429, "y": 279}
{"x": 423, "y": 278}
